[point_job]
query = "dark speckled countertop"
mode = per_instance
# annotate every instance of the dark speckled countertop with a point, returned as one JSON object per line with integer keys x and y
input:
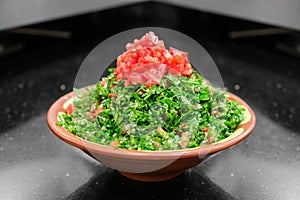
{"x": 35, "y": 164}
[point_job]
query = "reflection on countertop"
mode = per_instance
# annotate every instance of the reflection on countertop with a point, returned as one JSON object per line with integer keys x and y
{"x": 34, "y": 164}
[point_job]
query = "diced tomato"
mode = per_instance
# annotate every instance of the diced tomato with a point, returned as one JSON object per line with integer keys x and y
{"x": 126, "y": 83}
{"x": 187, "y": 72}
{"x": 120, "y": 76}
{"x": 114, "y": 144}
{"x": 177, "y": 59}
{"x": 159, "y": 129}
{"x": 146, "y": 54}
{"x": 112, "y": 95}
{"x": 173, "y": 72}
{"x": 140, "y": 69}
{"x": 231, "y": 98}
{"x": 149, "y": 83}
{"x": 119, "y": 60}
{"x": 205, "y": 129}
{"x": 70, "y": 109}
{"x": 136, "y": 78}
{"x": 174, "y": 51}
{"x": 95, "y": 111}
{"x": 102, "y": 83}
{"x": 99, "y": 110}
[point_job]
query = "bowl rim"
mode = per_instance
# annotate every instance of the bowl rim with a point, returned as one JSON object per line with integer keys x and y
{"x": 104, "y": 150}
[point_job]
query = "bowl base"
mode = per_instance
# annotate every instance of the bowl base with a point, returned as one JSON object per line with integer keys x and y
{"x": 151, "y": 176}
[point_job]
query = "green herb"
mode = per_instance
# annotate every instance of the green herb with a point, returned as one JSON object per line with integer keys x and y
{"x": 180, "y": 112}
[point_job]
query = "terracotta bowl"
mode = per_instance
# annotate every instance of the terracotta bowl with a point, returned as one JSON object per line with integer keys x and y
{"x": 149, "y": 166}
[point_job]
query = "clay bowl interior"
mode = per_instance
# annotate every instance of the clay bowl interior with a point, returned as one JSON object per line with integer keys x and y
{"x": 146, "y": 166}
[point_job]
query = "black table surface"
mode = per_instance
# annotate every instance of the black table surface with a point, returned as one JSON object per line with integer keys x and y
{"x": 35, "y": 164}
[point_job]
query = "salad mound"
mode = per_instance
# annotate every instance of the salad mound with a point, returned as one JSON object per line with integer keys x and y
{"x": 153, "y": 100}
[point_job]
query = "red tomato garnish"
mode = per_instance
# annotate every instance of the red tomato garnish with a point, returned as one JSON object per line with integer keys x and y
{"x": 95, "y": 111}
{"x": 112, "y": 95}
{"x": 205, "y": 129}
{"x": 149, "y": 83}
{"x": 102, "y": 83}
{"x": 174, "y": 72}
{"x": 114, "y": 143}
{"x": 99, "y": 110}
{"x": 142, "y": 56}
{"x": 70, "y": 109}
{"x": 187, "y": 72}
{"x": 231, "y": 98}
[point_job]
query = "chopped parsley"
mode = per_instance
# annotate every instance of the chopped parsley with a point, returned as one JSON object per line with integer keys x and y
{"x": 181, "y": 112}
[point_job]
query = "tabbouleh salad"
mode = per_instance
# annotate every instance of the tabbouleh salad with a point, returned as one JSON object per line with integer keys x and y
{"x": 153, "y": 100}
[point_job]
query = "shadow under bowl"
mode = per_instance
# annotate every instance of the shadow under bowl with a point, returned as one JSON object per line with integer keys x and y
{"x": 148, "y": 166}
